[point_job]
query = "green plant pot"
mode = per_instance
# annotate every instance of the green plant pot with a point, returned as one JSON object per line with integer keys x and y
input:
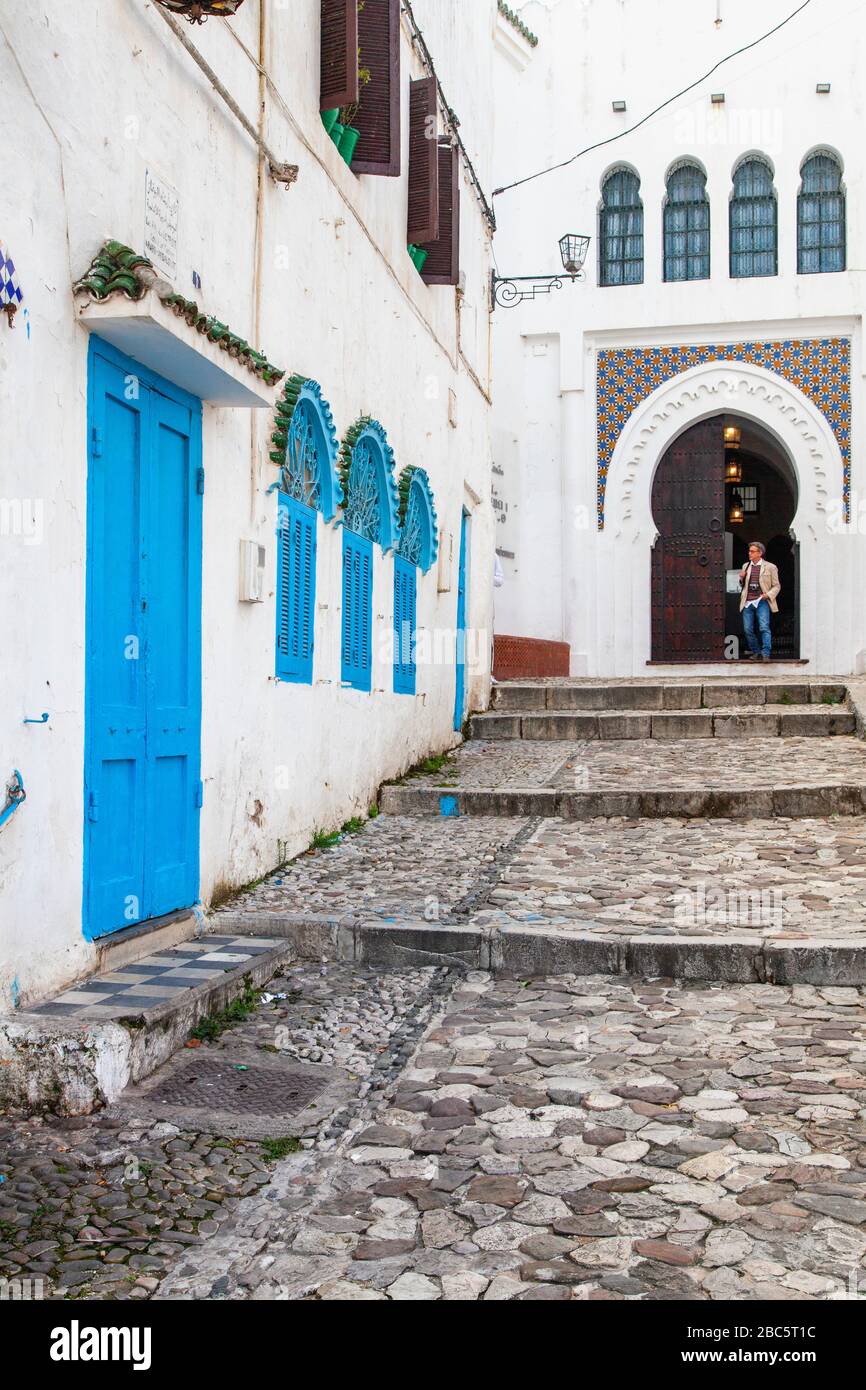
{"x": 349, "y": 142}
{"x": 329, "y": 118}
{"x": 419, "y": 258}
{"x": 336, "y": 133}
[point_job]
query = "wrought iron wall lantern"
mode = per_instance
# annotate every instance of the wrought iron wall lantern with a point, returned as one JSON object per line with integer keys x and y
{"x": 509, "y": 290}
{"x": 733, "y": 471}
{"x": 197, "y": 11}
{"x": 737, "y": 513}
{"x": 733, "y": 436}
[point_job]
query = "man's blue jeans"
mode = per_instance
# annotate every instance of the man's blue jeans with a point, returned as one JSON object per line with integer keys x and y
{"x": 763, "y": 626}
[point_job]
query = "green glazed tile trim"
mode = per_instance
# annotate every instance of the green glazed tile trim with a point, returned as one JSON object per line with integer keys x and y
{"x": 221, "y": 334}
{"x": 347, "y": 448}
{"x": 518, "y": 24}
{"x": 117, "y": 269}
{"x": 283, "y": 412}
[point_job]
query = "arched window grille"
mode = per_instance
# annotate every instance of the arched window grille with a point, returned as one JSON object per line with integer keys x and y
{"x": 620, "y": 231}
{"x": 370, "y": 517}
{"x": 417, "y": 550}
{"x": 753, "y": 221}
{"x": 821, "y": 235}
{"x": 305, "y": 447}
{"x": 687, "y": 225}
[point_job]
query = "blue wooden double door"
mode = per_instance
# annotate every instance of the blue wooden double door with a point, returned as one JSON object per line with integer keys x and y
{"x": 143, "y": 661}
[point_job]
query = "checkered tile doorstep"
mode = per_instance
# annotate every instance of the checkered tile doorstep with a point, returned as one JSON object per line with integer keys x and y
{"x": 156, "y": 979}
{"x": 10, "y": 290}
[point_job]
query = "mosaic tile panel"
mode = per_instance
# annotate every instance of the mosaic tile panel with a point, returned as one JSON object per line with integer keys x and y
{"x": 819, "y": 367}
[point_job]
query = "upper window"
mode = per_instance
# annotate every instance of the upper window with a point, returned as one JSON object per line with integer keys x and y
{"x": 687, "y": 224}
{"x": 821, "y": 216}
{"x": 620, "y": 230}
{"x": 753, "y": 215}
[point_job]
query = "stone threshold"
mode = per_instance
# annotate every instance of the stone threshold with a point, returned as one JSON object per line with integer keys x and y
{"x": 651, "y": 696}
{"x": 759, "y": 802}
{"x": 543, "y": 950}
{"x": 71, "y": 1064}
{"x": 760, "y": 721}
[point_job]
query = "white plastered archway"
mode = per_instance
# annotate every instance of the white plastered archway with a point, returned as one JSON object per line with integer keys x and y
{"x": 630, "y": 532}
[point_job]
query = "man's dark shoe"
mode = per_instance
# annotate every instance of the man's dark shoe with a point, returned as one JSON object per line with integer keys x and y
{"x": 766, "y": 656}
{"x": 749, "y": 656}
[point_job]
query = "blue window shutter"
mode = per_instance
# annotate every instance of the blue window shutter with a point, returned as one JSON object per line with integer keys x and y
{"x": 356, "y": 646}
{"x": 296, "y": 591}
{"x": 405, "y": 604}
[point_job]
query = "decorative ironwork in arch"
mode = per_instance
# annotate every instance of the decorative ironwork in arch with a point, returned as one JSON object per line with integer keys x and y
{"x": 620, "y": 228}
{"x": 419, "y": 533}
{"x": 821, "y": 215}
{"x": 305, "y": 446}
{"x": 753, "y": 217}
{"x": 371, "y": 505}
{"x": 686, "y": 223}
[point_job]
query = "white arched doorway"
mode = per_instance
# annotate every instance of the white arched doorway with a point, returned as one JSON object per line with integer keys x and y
{"x": 805, "y": 439}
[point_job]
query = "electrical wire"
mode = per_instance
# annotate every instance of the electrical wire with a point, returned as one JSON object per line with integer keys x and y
{"x": 599, "y": 144}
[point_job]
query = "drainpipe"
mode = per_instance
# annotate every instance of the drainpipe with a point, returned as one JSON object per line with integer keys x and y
{"x": 258, "y": 252}
{"x": 15, "y": 794}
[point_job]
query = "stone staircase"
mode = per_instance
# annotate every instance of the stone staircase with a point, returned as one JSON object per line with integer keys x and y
{"x": 577, "y": 750}
{"x": 534, "y": 710}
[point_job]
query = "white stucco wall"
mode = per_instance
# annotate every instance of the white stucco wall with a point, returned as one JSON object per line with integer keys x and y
{"x": 89, "y": 97}
{"x": 554, "y": 102}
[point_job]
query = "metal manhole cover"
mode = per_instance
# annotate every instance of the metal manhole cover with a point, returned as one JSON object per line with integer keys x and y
{"x": 255, "y": 1090}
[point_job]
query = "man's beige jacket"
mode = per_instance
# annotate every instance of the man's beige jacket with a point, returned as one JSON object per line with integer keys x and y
{"x": 770, "y": 585}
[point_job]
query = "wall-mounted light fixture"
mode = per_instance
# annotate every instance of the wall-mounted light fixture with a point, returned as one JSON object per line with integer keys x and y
{"x": 733, "y": 436}
{"x": 197, "y": 11}
{"x": 506, "y": 289}
{"x": 823, "y": 89}
{"x": 733, "y": 471}
{"x": 718, "y": 98}
{"x": 736, "y": 515}
{"x": 619, "y": 105}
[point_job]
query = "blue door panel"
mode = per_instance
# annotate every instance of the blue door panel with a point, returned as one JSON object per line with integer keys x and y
{"x": 460, "y": 691}
{"x": 115, "y": 787}
{"x": 143, "y": 677}
{"x": 173, "y": 659}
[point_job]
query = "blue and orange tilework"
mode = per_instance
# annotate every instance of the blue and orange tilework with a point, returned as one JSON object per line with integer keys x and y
{"x": 819, "y": 367}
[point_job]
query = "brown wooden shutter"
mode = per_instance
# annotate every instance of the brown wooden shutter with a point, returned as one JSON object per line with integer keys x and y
{"x": 339, "y": 54}
{"x": 442, "y": 266}
{"x": 378, "y": 118}
{"x": 423, "y": 222}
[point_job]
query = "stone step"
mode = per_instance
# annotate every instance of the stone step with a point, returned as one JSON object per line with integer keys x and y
{"x": 756, "y": 721}
{"x": 741, "y": 804}
{"x": 617, "y": 696}
{"x": 75, "y": 1053}
{"x": 546, "y": 949}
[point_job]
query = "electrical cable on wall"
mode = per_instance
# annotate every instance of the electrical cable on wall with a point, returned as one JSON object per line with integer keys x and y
{"x": 599, "y": 144}
{"x": 450, "y": 116}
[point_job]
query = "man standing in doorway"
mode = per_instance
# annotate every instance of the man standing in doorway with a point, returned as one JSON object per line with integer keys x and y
{"x": 759, "y": 581}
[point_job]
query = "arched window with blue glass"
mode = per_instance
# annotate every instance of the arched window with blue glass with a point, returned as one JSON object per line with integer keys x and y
{"x": 753, "y": 220}
{"x": 370, "y": 518}
{"x": 305, "y": 447}
{"x": 821, "y": 234}
{"x": 416, "y": 550}
{"x": 687, "y": 224}
{"x": 620, "y": 229}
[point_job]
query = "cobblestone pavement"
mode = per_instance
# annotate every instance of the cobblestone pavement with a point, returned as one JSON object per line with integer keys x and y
{"x": 675, "y": 764}
{"x": 581, "y": 1138}
{"x": 396, "y": 867}
{"x": 777, "y": 878}
{"x": 103, "y": 1206}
